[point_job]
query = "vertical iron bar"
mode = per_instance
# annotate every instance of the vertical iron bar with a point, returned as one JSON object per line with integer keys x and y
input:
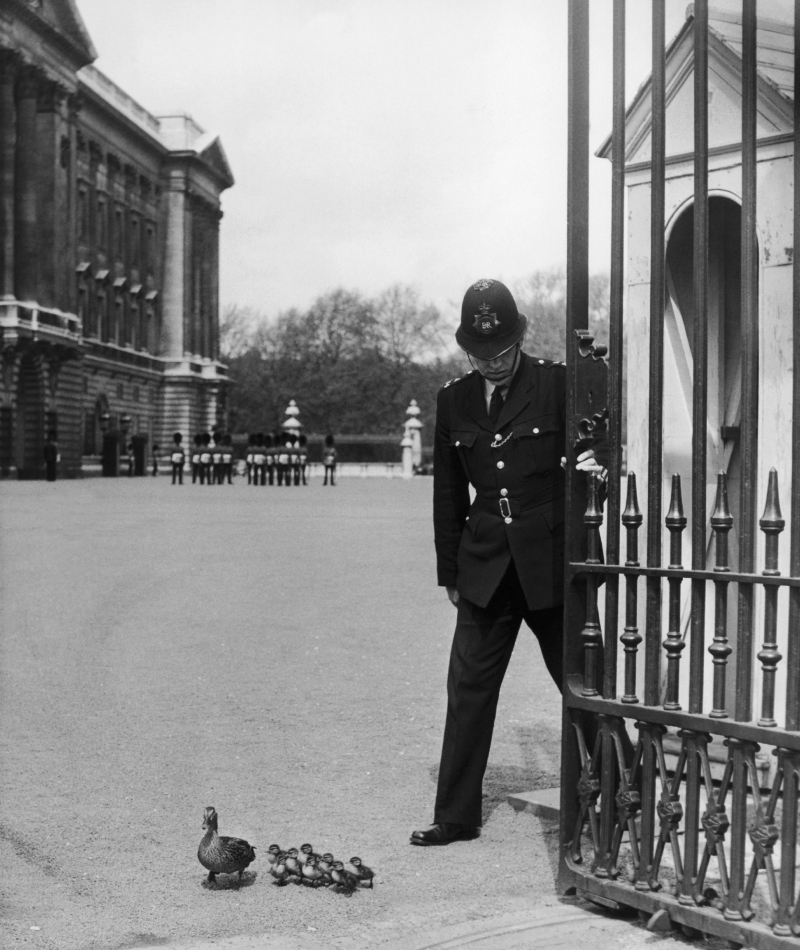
{"x": 652, "y": 672}
{"x": 632, "y": 519}
{"x": 577, "y": 318}
{"x": 592, "y": 638}
{"x": 616, "y": 291}
{"x": 657, "y": 284}
{"x": 749, "y": 434}
{"x": 720, "y": 650}
{"x": 771, "y": 524}
{"x": 749, "y": 452}
{"x": 699, "y": 444}
{"x": 700, "y": 382}
{"x": 793, "y": 652}
{"x": 676, "y": 524}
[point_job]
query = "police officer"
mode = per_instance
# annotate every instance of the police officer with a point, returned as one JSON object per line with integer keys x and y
{"x": 500, "y": 429}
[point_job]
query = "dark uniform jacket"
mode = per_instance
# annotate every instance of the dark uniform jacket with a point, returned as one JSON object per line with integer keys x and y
{"x": 514, "y": 466}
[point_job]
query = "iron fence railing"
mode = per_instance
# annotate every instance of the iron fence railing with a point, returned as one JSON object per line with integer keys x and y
{"x": 681, "y": 841}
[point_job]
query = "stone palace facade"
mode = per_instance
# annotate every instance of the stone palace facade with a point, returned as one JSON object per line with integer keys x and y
{"x": 109, "y": 254}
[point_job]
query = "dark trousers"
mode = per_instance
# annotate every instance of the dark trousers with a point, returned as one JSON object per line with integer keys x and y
{"x": 332, "y": 470}
{"x": 482, "y": 646}
{"x": 177, "y": 472}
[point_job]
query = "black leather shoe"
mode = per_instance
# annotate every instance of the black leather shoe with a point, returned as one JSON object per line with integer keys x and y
{"x": 444, "y": 833}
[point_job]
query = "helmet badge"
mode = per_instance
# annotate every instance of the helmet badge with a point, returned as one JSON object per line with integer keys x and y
{"x": 482, "y": 285}
{"x": 485, "y": 322}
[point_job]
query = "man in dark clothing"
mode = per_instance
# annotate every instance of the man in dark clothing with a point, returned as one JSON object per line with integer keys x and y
{"x": 502, "y": 430}
{"x": 51, "y": 456}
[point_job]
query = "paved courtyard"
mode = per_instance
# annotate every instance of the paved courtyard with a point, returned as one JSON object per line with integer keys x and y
{"x": 279, "y": 654}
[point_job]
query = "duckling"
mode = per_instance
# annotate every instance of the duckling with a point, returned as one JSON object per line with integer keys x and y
{"x": 344, "y": 879}
{"x": 306, "y": 851}
{"x": 292, "y": 863}
{"x": 279, "y": 870}
{"x": 273, "y": 852}
{"x": 362, "y": 872}
{"x": 310, "y": 873}
{"x": 222, "y": 855}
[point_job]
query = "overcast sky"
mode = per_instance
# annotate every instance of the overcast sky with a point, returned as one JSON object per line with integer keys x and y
{"x": 377, "y": 141}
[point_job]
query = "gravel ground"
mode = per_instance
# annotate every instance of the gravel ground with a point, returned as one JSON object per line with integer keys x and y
{"x": 279, "y": 655}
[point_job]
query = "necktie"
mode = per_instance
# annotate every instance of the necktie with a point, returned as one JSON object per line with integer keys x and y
{"x": 495, "y": 404}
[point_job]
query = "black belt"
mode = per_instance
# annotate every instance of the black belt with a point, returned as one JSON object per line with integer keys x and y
{"x": 512, "y": 507}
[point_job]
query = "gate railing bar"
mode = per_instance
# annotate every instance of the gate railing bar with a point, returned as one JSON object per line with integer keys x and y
{"x": 652, "y": 643}
{"x": 608, "y": 779}
{"x": 676, "y": 525}
{"x": 749, "y": 422}
{"x": 582, "y": 567}
{"x": 720, "y": 649}
{"x": 656, "y": 425}
{"x": 793, "y": 652}
{"x": 735, "y": 906}
{"x": 700, "y": 382}
{"x": 699, "y": 450}
{"x": 771, "y": 524}
{"x": 787, "y": 763}
{"x": 616, "y": 298}
{"x": 631, "y": 638}
{"x": 576, "y": 319}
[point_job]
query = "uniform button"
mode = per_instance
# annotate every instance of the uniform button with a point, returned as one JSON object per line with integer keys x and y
{"x": 501, "y": 464}
{"x": 457, "y": 444}
{"x": 504, "y": 492}
{"x": 508, "y": 521}
{"x": 542, "y": 362}
{"x": 535, "y": 432}
{"x": 498, "y": 436}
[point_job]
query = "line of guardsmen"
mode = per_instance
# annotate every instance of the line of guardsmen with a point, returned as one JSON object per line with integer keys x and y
{"x": 211, "y": 459}
{"x": 281, "y": 459}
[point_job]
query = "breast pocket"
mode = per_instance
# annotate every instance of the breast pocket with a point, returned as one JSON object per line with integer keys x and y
{"x": 462, "y": 440}
{"x": 538, "y": 445}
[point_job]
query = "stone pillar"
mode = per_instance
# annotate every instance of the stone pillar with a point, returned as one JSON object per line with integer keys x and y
{"x": 215, "y": 284}
{"x": 51, "y": 198}
{"x": 26, "y": 247}
{"x": 174, "y": 299}
{"x": 8, "y": 143}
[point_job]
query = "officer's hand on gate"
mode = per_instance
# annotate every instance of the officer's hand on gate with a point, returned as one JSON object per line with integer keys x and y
{"x": 586, "y": 462}
{"x": 452, "y": 593}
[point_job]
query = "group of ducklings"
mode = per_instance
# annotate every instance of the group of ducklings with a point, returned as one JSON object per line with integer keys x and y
{"x": 317, "y": 870}
{"x": 224, "y": 855}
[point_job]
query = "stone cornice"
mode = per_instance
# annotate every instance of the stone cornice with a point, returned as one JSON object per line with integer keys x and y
{"x": 75, "y": 52}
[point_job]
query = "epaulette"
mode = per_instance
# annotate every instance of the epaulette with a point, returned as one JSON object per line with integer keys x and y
{"x": 457, "y": 379}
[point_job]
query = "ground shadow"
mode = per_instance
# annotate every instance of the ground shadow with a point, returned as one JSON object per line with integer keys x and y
{"x": 230, "y": 882}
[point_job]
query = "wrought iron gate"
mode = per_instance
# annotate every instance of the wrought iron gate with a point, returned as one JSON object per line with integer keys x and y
{"x": 700, "y": 843}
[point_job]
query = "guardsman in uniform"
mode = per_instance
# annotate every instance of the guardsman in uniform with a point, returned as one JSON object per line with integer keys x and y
{"x": 329, "y": 459}
{"x": 251, "y": 442}
{"x": 227, "y": 459}
{"x": 259, "y": 458}
{"x": 303, "y": 451}
{"x": 295, "y": 460}
{"x": 284, "y": 458}
{"x": 502, "y": 430}
{"x": 269, "y": 464}
{"x": 205, "y": 458}
{"x": 198, "y": 446}
{"x": 216, "y": 459}
{"x": 177, "y": 458}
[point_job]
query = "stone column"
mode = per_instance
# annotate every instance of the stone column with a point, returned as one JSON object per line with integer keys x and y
{"x": 215, "y": 284}
{"x": 8, "y": 143}
{"x": 51, "y": 198}
{"x": 26, "y": 247}
{"x": 174, "y": 292}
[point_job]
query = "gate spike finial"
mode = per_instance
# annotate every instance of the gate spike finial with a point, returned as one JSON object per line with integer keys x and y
{"x": 632, "y": 516}
{"x": 676, "y": 519}
{"x": 772, "y": 520}
{"x": 721, "y": 519}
